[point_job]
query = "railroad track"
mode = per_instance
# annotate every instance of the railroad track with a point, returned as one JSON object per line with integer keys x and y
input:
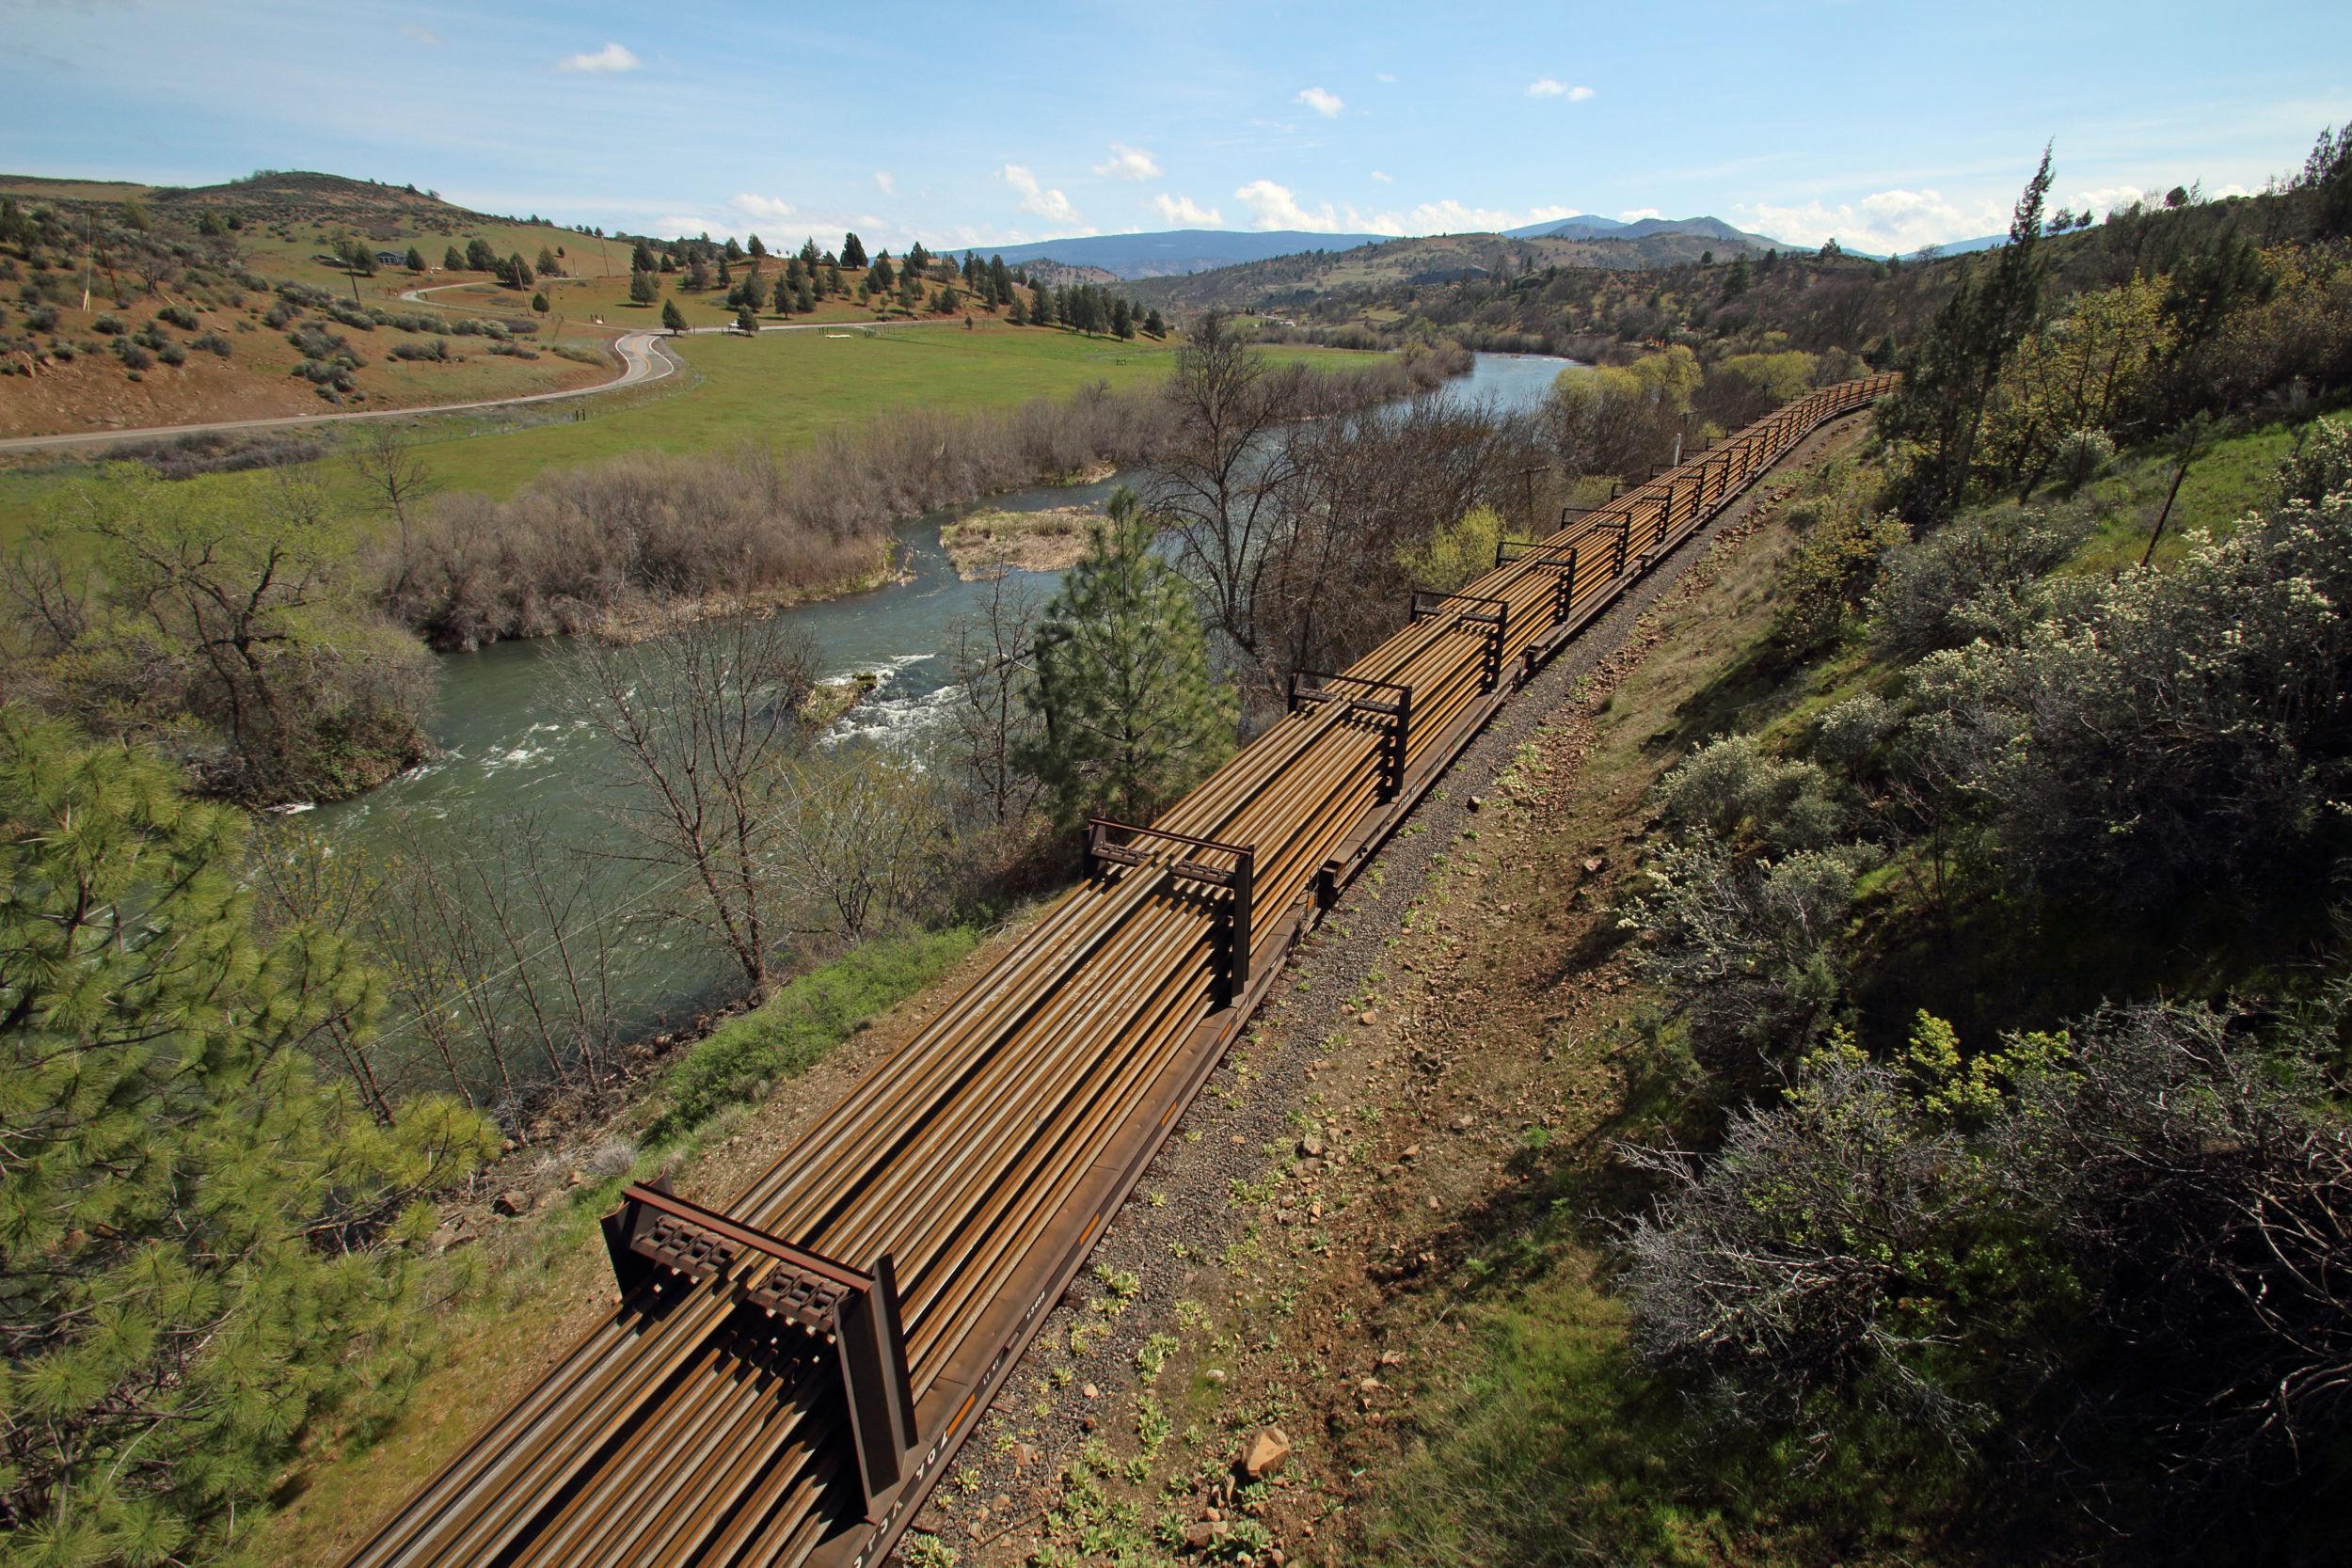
{"x": 782, "y": 1382}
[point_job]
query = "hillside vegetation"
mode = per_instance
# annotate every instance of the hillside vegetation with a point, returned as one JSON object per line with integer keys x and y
{"x": 136, "y": 306}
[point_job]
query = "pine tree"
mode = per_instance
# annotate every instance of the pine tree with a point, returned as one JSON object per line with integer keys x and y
{"x": 746, "y": 322}
{"x": 1042, "y": 306}
{"x": 756, "y": 249}
{"x": 452, "y": 259}
{"x": 1134, "y": 716}
{"x": 1954, "y": 367}
{"x": 1000, "y": 282}
{"x": 884, "y": 276}
{"x": 755, "y": 290}
{"x": 1154, "y": 324}
{"x": 644, "y": 287}
{"x": 804, "y": 299}
{"x": 196, "y": 1236}
{"x": 642, "y": 260}
{"x": 1122, "y": 319}
{"x": 852, "y": 252}
{"x": 673, "y": 319}
{"x": 416, "y": 260}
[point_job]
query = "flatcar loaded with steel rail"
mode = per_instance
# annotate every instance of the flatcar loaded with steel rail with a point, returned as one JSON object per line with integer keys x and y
{"x": 784, "y": 1382}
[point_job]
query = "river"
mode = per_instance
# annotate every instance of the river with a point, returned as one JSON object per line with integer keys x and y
{"x": 506, "y": 749}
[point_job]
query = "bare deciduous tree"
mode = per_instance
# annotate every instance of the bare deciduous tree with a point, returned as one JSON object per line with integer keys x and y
{"x": 701, "y": 715}
{"x": 856, "y": 839}
{"x": 989, "y": 651}
{"x": 387, "y": 460}
{"x": 1223, "y": 475}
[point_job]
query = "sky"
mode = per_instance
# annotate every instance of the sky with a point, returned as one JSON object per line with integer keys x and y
{"x": 1886, "y": 126}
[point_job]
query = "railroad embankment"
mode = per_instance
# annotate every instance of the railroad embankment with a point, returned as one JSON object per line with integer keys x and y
{"x": 1312, "y": 1264}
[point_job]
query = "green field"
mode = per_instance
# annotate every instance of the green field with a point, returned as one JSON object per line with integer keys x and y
{"x": 785, "y": 388}
{"x": 782, "y": 389}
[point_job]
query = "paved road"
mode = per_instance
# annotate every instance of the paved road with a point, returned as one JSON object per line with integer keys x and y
{"x": 642, "y": 359}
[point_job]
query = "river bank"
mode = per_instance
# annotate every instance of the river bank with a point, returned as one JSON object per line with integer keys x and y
{"x": 513, "y": 763}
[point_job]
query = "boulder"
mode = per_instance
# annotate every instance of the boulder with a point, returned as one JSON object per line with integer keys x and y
{"x": 513, "y": 1201}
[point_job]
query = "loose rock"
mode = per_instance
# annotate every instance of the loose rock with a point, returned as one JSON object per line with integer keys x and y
{"x": 1266, "y": 1454}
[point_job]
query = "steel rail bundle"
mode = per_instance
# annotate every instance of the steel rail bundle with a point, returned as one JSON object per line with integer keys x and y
{"x": 783, "y": 1382}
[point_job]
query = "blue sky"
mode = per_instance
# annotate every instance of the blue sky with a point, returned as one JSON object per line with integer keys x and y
{"x": 1888, "y": 126}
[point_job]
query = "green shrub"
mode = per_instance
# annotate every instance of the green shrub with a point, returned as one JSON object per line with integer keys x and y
{"x": 802, "y": 1024}
{"x": 1832, "y": 573}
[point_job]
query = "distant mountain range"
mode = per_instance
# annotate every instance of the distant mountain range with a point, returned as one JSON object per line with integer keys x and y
{"x": 1591, "y": 226}
{"x": 1180, "y": 252}
{"x": 1177, "y": 252}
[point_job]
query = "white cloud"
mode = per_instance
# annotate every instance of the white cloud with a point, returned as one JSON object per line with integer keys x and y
{"x": 885, "y": 181}
{"x": 1578, "y": 95}
{"x": 612, "y": 57}
{"x": 1327, "y": 105}
{"x": 1272, "y": 206}
{"x": 1638, "y": 213}
{"x": 1183, "y": 209}
{"x": 1384, "y": 76}
{"x": 1384, "y": 179}
{"x": 773, "y": 208}
{"x": 1551, "y": 86}
{"x": 1129, "y": 163}
{"x": 2110, "y": 199}
{"x": 1051, "y": 205}
{"x": 1276, "y": 206}
{"x": 1883, "y": 221}
{"x": 1453, "y": 218}
{"x": 425, "y": 36}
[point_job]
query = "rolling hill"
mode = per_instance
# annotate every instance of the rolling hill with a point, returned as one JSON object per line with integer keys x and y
{"x": 1177, "y": 251}
{"x": 1285, "y": 282}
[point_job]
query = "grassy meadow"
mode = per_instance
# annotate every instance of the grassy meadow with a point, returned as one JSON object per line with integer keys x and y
{"x": 783, "y": 390}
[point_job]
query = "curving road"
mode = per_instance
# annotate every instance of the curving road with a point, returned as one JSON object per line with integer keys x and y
{"x": 642, "y": 359}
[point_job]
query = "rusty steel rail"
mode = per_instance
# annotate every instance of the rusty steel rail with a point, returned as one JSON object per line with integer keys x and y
{"x": 785, "y": 1380}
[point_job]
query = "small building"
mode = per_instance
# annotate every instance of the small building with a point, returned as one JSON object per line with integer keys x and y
{"x": 391, "y": 259}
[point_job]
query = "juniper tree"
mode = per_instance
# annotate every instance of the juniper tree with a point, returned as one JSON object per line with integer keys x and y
{"x": 853, "y": 251}
{"x": 1133, "y": 715}
{"x": 199, "y": 1241}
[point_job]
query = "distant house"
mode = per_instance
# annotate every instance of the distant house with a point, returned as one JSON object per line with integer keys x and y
{"x": 391, "y": 259}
